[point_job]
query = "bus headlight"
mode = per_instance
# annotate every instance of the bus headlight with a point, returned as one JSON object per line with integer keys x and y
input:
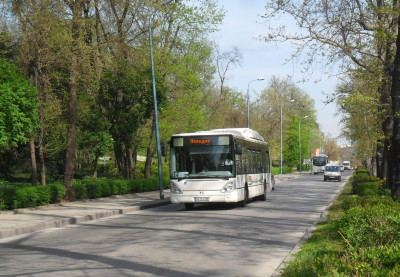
{"x": 175, "y": 189}
{"x": 229, "y": 187}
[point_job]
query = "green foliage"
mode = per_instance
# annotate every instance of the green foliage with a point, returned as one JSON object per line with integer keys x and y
{"x": 363, "y": 240}
{"x": 7, "y": 193}
{"x": 18, "y": 107}
{"x": 374, "y": 225}
{"x": 370, "y": 262}
{"x": 277, "y": 170}
{"x": 31, "y": 197}
{"x": 79, "y": 190}
{"x": 58, "y": 192}
{"x": 358, "y": 179}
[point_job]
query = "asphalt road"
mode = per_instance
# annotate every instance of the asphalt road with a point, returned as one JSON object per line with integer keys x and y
{"x": 211, "y": 240}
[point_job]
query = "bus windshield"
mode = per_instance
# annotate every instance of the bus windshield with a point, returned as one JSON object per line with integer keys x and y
{"x": 319, "y": 161}
{"x": 208, "y": 161}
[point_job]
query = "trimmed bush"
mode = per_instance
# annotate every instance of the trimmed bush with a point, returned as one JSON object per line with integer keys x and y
{"x": 58, "y": 192}
{"x": 7, "y": 194}
{"x": 277, "y": 170}
{"x": 370, "y": 261}
{"x": 371, "y": 188}
{"x": 29, "y": 197}
{"x": 79, "y": 190}
{"x": 105, "y": 188}
{"x": 357, "y": 179}
{"x": 372, "y": 225}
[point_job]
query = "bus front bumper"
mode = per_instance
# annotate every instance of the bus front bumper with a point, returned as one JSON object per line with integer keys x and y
{"x": 205, "y": 197}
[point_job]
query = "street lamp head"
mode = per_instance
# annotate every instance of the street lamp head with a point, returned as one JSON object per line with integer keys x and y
{"x": 261, "y": 79}
{"x": 305, "y": 116}
{"x": 291, "y": 100}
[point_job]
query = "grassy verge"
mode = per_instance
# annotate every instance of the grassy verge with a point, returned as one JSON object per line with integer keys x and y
{"x": 361, "y": 236}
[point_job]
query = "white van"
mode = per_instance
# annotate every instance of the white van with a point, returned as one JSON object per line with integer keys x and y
{"x": 346, "y": 165}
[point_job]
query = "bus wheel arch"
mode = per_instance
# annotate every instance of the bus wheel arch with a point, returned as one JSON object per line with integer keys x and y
{"x": 189, "y": 206}
{"x": 263, "y": 197}
{"x": 243, "y": 203}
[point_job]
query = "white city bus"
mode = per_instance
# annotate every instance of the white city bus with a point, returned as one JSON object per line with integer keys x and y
{"x": 220, "y": 165}
{"x": 319, "y": 162}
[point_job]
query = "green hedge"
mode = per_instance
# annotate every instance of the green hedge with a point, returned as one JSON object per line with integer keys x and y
{"x": 358, "y": 182}
{"x": 14, "y": 196}
{"x": 277, "y": 170}
{"x": 361, "y": 237}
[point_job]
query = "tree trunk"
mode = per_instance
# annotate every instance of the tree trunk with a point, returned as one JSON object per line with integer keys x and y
{"x": 134, "y": 160}
{"x": 128, "y": 163}
{"x": 95, "y": 166}
{"x": 41, "y": 158}
{"x": 33, "y": 162}
{"x": 76, "y": 8}
{"x": 387, "y": 127}
{"x": 150, "y": 154}
{"x": 394, "y": 161}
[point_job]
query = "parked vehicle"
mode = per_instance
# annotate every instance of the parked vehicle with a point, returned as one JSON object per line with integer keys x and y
{"x": 332, "y": 172}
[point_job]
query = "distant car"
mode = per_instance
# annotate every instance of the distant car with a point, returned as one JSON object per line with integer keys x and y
{"x": 341, "y": 168}
{"x": 332, "y": 172}
{"x": 346, "y": 165}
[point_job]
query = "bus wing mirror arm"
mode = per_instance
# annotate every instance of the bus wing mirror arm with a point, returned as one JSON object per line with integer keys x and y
{"x": 164, "y": 149}
{"x": 238, "y": 149}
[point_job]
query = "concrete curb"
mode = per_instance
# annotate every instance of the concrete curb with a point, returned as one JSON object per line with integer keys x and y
{"x": 57, "y": 222}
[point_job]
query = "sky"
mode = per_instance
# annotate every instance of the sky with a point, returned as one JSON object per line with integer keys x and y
{"x": 241, "y": 27}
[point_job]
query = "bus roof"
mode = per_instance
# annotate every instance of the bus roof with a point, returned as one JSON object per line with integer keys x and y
{"x": 245, "y": 133}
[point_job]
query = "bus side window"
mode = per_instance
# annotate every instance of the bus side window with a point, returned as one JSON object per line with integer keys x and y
{"x": 249, "y": 161}
{"x": 267, "y": 162}
{"x": 259, "y": 162}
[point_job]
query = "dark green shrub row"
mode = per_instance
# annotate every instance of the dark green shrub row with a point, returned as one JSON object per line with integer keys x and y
{"x": 379, "y": 261}
{"x": 371, "y": 225}
{"x": 362, "y": 240}
{"x": 361, "y": 170}
{"x": 24, "y": 196}
{"x": 362, "y": 182}
{"x": 95, "y": 187}
{"x": 370, "y": 229}
{"x": 277, "y": 170}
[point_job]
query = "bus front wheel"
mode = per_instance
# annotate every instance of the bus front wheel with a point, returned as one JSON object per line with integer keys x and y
{"x": 189, "y": 206}
{"x": 264, "y": 196}
{"x": 243, "y": 203}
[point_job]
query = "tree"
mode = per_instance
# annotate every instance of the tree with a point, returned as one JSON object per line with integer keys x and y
{"x": 18, "y": 108}
{"x": 224, "y": 62}
{"x": 126, "y": 101}
{"x": 358, "y": 101}
{"x": 360, "y": 34}
{"x": 265, "y": 116}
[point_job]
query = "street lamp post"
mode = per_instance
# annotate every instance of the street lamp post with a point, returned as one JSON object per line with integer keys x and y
{"x": 160, "y": 178}
{"x": 300, "y": 144}
{"x": 248, "y": 99}
{"x": 290, "y": 101}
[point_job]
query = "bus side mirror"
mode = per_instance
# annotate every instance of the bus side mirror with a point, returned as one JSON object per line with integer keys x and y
{"x": 163, "y": 149}
{"x": 238, "y": 149}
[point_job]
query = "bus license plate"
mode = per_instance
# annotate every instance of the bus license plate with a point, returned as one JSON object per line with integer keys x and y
{"x": 202, "y": 199}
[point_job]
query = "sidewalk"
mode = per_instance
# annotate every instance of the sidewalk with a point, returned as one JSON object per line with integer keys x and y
{"x": 24, "y": 221}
